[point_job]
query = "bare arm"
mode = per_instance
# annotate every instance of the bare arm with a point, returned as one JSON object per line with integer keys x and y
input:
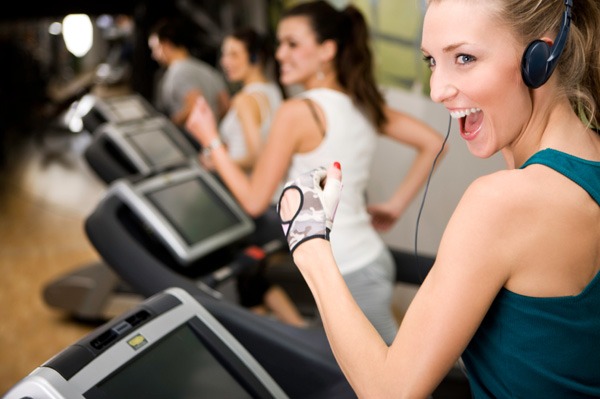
{"x": 180, "y": 117}
{"x": 189, "y": 100}
{"x": 427, "y": 142}
{"x": 248, "y": 114}
{"x": 471, "y": 267}
{"x": 256, "y": 191}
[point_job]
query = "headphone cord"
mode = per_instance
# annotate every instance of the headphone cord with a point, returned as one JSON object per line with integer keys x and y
{"x": 425, "y": 195}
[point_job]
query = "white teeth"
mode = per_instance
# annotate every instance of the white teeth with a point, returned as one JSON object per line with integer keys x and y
{"x": 464, "y": 112}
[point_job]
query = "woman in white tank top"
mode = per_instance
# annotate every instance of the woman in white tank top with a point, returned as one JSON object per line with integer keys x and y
{"x": 244, "y": 127}
{"x": 337, "y": 118}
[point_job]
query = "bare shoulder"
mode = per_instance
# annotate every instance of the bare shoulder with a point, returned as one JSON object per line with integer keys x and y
{"x": 496, "y": 217}
{"x": 295, "y": 123}
{"x": 505, "y": 195}
{"x": 531, "y": 216}
{"x": 493, "y": 189}
{"x": 295, "y": 115}
{"x": 294, "y": 108}
{"x": 242, "y": 99}
{"x": 245, "y": 103}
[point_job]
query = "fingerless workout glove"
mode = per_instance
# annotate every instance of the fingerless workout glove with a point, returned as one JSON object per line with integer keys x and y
{"x": 314, "y": 217}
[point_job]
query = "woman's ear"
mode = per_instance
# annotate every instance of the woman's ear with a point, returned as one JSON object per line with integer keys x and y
{"x": 549, "y": 41}
{"x": 328, "y": 50}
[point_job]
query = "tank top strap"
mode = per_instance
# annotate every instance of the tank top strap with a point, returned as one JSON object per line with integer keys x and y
{"x": 581, "y": 171}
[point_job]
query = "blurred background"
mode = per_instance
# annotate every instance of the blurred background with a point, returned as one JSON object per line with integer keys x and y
{"x": 41, "y": 75}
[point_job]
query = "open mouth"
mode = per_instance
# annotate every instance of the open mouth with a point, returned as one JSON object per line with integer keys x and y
{"x": 470, "y": 120}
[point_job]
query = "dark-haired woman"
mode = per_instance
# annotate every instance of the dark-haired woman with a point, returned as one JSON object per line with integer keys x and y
{"x": 245, "y": 57}
{"x": 337, "y": 118}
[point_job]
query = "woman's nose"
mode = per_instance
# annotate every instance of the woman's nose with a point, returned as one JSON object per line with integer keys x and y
{"x": 280, "y": 52}
{"x": 441, "y": 87}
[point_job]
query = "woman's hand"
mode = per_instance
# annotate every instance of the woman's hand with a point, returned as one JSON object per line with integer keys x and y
{"x": 201, "y": 122}
{"x": 383, "y": 216}
{"x": 308, "y": 204}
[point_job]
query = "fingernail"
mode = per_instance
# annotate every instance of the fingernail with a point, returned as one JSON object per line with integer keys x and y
{"x": 337, "y": 165}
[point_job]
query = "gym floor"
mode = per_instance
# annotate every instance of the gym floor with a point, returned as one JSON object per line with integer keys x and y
{"x": 44, "y": 199}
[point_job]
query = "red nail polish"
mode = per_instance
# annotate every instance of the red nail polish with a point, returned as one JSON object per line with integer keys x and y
{"x": 337, "y": 165}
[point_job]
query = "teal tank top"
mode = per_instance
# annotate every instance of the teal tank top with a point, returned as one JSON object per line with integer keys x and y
{"x": 529, "y": 347}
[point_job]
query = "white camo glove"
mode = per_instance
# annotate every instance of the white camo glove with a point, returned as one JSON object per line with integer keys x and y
{"x": 316, "y": 210}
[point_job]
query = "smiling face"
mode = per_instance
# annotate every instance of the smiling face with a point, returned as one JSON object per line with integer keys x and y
{"x": 235, "y": 59}
{"x": 475, "y": 63}
{"x": 298, "y": 52}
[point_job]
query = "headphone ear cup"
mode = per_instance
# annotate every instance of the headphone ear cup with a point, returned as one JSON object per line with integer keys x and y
{"x": 534, "y": 65}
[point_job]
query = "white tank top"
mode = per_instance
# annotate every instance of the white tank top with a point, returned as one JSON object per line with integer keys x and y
{"x": 268, "y": 97}
{"x": 350, "y": 139}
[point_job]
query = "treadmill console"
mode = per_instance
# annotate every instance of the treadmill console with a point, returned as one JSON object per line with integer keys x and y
{"x": 187, "y": 209}
{"x": 169, "y": 346}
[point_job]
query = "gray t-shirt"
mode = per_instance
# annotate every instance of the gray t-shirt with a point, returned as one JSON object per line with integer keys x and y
{"x": 184, "y": 75}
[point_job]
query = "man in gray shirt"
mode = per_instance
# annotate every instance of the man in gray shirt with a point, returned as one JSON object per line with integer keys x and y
{"x": 185, "y": 77}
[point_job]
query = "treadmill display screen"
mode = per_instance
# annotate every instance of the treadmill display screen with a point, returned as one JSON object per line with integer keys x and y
{"x": 194, "y": 210}
{"x": 128, "y": 108}
{"x": 156, "y": 147}
{"x": 179, "y": 366}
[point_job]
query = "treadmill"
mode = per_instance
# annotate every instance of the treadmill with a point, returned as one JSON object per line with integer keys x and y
{"x": 179, "y": 344}
{"x": 180, "y": 228}
{"x": 191, "y": 224}
{"x": 129, "y": 137}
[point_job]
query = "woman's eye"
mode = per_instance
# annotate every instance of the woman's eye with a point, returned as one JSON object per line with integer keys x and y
{"x": 429, "y": 61}
{"x": 464, "y": 58}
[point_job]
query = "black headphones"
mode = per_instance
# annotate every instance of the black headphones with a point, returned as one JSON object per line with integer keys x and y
{"x": 253, "y": 57}
{"x": 539, "y": 59}
{"x": 255, "y": 44}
